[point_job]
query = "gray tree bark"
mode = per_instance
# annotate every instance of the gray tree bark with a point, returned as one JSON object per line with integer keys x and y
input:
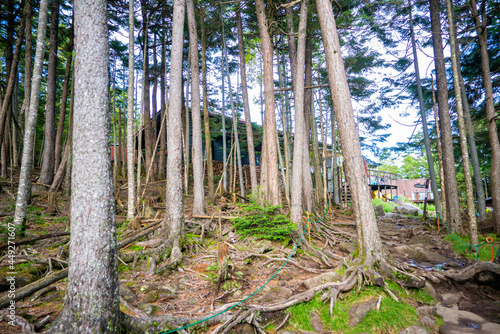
{"x": 369, "y": 241}
{"x": 130, "y": 116}
{"x": 27, "y": 64}
{"x": 452, "y": 203}
{"x": 198, "y": 187}
{"x": 24, "y": 188}
{"x": 48, "y": 161}
{"x": 92, "y": 299}
{"x": 271, "y": 186}
{"x": 175, "y": 204}
{"x": 246, "y": 105}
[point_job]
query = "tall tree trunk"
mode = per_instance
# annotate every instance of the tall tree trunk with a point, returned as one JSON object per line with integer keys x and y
{"x": 163, "y": 89}
{"x": 369, "y": 241}
{"x": 452, "y": 203}
{"x": 27, "y": 63}
{"x": 64, "y": 98}
{"x": 481, "y": 27}
{"x": 234, "y": 116}
{"x": 206, "y": 119}
{"x": 300, "y": 137}
{"x": 175, "y": 204}
{"x": 130, "y": 116}
{"x": 198, "y": 188}
{"x": 308, "y": 194}
{"x": 154, "y": 130}
{"x": 24, "y": 189}
{"x": 428, "y": 152}
{"x": 271, "y": 187}
{"x": 93, "y": 267}
{"x": 48, "y": 161}
{"x": 224, "y": 140}
{"x": 333, "y": 174}
{"x": 69, "y": 143}
{"x": 246, "y": 105}
{"x": 148, "y": 138}
{"x": 186, "y": 128}
{"x": 471, "y": 208}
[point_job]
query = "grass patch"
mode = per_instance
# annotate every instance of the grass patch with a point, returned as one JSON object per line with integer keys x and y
{"x": 392, "y": 317}
{"x": 462, "y": 246}
{"x": 430, "y": 207}
{"x": 388, "y": 206}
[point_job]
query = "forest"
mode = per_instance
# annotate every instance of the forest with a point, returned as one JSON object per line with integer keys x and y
{"x": 222, "y": 166}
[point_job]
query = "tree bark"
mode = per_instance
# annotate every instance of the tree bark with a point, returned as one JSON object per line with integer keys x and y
{"x": 198, "y": 188}
{"x": 163, "y": 89}
{"x": 369, "y": 241}
{"x": 130, "y": 116}
{"x": 27, "y": 63}
{"x": 246, "y": 105}
{"x": 93, "y": 259}
{"x": 24, "y": 189}
{"x": 175, "y": 204}
{"x": 300, "y": 137}
{"x": 271, "y": 185}
{"x": 471, "y": 208}
{"x": 48, "y": 161}
{"x": 452, "y": 203}
{"x": 206, "y": 119}
{"x": 490, "y": 111}
{"x": 64, "y": 98}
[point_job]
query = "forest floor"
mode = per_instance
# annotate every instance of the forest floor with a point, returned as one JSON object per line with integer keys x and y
{"x": 192, "y": 289}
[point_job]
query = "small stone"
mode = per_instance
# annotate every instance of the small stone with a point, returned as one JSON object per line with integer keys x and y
{"x": 450, "y": 265}
{"x": 450, "y": 299}
{"x": 428, "y": 322}
{"x": 127, "y": 293}
{"x": 429, "y": 289}
{"x": 415, "y": 329}
{"x": 316, "y": 322}
{"x": 148, "y": 309}
{"x": 359, "y": 311}
{"x": 379, "y": 210}
{"x": 150, "y": 297}
{"x": 167, "y": 296}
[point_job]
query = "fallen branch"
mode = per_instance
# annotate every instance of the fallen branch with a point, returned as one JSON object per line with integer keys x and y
{"x": 40, "y": 237}
{"x": 211, "y": 217}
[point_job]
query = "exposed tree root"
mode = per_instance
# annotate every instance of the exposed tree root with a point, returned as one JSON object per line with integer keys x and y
{"x": 469, "y": 272}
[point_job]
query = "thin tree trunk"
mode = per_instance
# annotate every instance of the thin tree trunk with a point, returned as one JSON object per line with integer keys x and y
{"x": 430, "y": 160}
{"x": 246, "y": 105}
{"x": 163, "y": 89}
{"x": 300, "y": 137}
{"x": 175, "y": 204}
{"x": 64, "y": 98}
{"x": 24, "y": 189}
{"x": 198, "y": 188}
{"x": 224, "y": 140}
{"x": 148, "y": 139}
{"x": 206, "y": 119}
{"x": 271, "y": 187}
{"x": 490, "y": 111}
{"x": 93, "y": 256}
{"x": 440, "y": 154}
{"x": 369, "y": 241}
{"x": 69, "y": 143}
{"x": 186, "y": 129}
{"x": 154, "y": 129}
{"x": 308, "y": 194}
{"x": 234, "y": 116}
{"x": 27, "y": 63}
{"x": 48, "y": 161}
{"x": 452, "y": 203}
{"x": 334, "y": 181}
{"x": 471, "y": 208}
{"x": 130, "y": 116}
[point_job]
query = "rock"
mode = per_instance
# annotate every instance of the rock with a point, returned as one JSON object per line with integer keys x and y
{"x": 428, "y": 322}
{"x": 330, "y": 276}
{"x": 285, "y": 275}
{"x": 127, "y": 293}
{"x": 407, "y": 209}
{"x": 149, "y": 212}
{"x": 167, "y": 296}
{"x": 487, "y": 278}
{"x": 166, "y": 287}
{"x": 422, "y": 240}
{"x": 459, "y": 318}
{"x": 450, "y": 299}
{"x": 316, "y": 322}
{"x": 359, "y": 311}
{"x": 150, "y": 297}
{"x": 402, "y": 250}
{"x": 243, "y": 329}
{"x": 415, "y": 329}
{"x": 451, "y": 265}
{"x": 348, "y": 247}
{"x": 393, "y": 215}
{"x": 428, "y": 288}
{"x": 148, "y": 309}
{"x": 379, "y": 210}
{"x": 274, "y": 294}
{"x": 426, "y": 310}
{"x": 420, "y": 254}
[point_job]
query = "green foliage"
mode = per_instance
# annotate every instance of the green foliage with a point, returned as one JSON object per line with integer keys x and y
{"x": 388, "y": 206}
{"x": 462, "y": 246}
{"x": 392, "y": 317}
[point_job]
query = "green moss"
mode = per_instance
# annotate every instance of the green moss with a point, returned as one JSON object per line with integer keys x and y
{"x": 392, "y": 317}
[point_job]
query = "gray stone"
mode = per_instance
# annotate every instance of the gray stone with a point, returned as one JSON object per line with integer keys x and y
{"x": 348, "y": 247}
{"x": 243, "y": 329}
{"x": 167, "y": 296}
{"x": 274, "y": 294}
{"x": 148, "y": 309}
{"x": 428, "y": 322}
{"x": 422, "y": 240}
{"x": 415, "y": 329}
{"x": 407, "y": 209}
{"x": 149, "y": 212}
{"x": 359, "y": 311}
{"x": 127, "y": 293}
{"x": 327, "y": 277}
{"x": 470, "y": 328}
{"x": 429, "y": 289}
{"x": 426, "y": 310}
{"x": 393, "y": 215}
{"x": 450, "y": 299}
{"x": 402, "y": 250}
{"x": 459, "y": 318}
{"x": 150, "y": 297}
{"x": 316, "y": 322}
{"x": 424, "y": 255}
{"x": 379, "y": 210}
